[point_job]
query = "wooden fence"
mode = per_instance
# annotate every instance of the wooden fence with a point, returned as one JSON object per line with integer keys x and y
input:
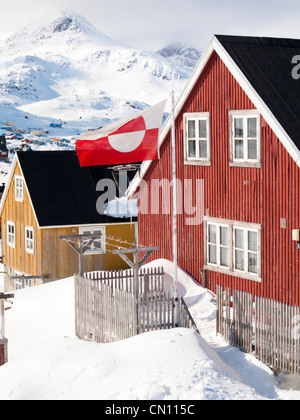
{"x": 277, "y": 333}
{"x": 234, "y": 318}
{"x": 268, "y": 329}
{"x": 150, "y": 279}
{"x": 103, "y": 314}
{"x": 3, "y": 351}
{"x": 106, "y": 309}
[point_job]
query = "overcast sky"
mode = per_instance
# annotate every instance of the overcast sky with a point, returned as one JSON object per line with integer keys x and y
{"x": 152, "y": 24}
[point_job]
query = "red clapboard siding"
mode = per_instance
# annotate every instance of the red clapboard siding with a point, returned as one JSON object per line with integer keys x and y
{"x": 253, "y": 195}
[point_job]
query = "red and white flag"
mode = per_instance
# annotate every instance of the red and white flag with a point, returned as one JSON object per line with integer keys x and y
{"x": 126, "y": 141}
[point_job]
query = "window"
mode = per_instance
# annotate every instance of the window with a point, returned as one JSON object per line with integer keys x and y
{"x": 218, "y": 245}
{"x": 11, "y": 238}
{"x": 98, "y": 246}
{"x": 233, "y": 247}
{"x": 246, "y": 250}
{"x": 197, "y": 138}
{"x": 19, "y": 188}
{"x": 29, "y": 239}
{"x": 21, "y": 282}
{"x": 245, "y": 138}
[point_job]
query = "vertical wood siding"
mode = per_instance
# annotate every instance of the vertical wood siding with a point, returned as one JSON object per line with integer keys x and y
{"x": 22, "y": 215}
{"x": 252, "y": 195}
{"x": 59, "y": 260}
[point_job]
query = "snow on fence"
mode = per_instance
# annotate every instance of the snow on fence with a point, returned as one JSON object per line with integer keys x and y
{"x": 269, "y": 329}
{"x": 106, "y": 309}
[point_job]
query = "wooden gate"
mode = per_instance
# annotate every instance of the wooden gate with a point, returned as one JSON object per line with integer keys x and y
{"x": 234, "y": 318}
{"x": 106, "y": 309}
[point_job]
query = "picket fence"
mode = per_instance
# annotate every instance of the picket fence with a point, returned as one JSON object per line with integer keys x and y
{"x": 106, "y": 309}
{"x": 268, "y": 329}
{"x": 150, "y": 279}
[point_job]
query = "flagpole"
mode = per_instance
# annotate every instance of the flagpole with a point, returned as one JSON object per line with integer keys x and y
{"x": 175, "y": 246}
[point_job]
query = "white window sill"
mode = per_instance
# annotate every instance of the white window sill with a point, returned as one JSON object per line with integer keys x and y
{"x": 244, "y": 164}
{"x": 239, "y": 274}
{"x": 197, "y": 162}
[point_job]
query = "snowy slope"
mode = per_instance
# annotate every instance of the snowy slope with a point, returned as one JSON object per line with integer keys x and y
{"x": 47, "y": 361}
{"x": 60, "y": 67}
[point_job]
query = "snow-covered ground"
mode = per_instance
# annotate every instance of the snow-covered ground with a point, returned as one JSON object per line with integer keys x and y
{"x": 47, "y": 361}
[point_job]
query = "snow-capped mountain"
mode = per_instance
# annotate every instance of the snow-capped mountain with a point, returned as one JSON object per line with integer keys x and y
{"x": 62, "y": 68}
{"x": 186, "y": 57}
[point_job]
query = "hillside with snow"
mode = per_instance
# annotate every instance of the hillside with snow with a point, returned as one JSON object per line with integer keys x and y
{"x": 48, "y": 362}
{"x": 61, "y": 68}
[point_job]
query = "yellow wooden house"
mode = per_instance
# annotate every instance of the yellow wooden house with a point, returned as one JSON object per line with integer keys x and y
{"x": 48, "y": 195}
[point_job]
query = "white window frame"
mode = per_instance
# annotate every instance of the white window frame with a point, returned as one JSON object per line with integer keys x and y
{"x": 10, "y": 234}
{"x": 218, "y": 244}
{"x": 197, "y": 160}
{"x": 245, "y": 249}
{"x": 232, "y": 226}
{"x": 29, "y": 241}
{"x": 91, "y": 230}
{"x": 245, "y": 161}
{"x": 19, "y": 188}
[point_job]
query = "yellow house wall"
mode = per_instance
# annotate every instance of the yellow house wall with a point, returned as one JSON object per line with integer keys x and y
{"x": 22, "y": 215}
{"x": 59, "y": 260}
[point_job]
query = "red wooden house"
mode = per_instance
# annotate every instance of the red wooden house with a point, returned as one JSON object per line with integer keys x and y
{"x": 237, "y": 127}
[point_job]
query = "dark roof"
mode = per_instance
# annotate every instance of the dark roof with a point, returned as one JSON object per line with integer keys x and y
{"x": 62, "y": 192}
{"x": 267, "y": 64}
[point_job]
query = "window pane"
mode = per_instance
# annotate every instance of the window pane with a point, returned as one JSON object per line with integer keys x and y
{"x": 212, "y": 254}
{"x": 97, "y": 244}
{"x": 238, "y": 127}
{"x": 224, "y": 235}
{"x": 239, "y": 238}
{"x": 252, "y": 241}
{"x": 191, "y": 129}
{"x": 192, "y": 148}
{"x": 212, "y": 234}
{"x": 252, "y": 263}
{"x": 203, "y": 148}
{"x": 203, "y": 129}
{"x": 224, "y": 257}
{"x": 239, "y": 260}
{"x": 239, "y": 149}
{"x": 252, "y": 127}
{"x": 252, "y": 149}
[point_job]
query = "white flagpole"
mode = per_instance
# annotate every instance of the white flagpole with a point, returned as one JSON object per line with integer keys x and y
{"x": 175, "y": 249}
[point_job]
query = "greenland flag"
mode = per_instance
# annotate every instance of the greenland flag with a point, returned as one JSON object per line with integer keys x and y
{"x": 126, "y": 141}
